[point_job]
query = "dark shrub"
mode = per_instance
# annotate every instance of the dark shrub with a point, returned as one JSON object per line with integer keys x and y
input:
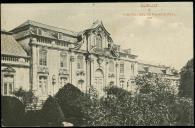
{"x": 12, "y": 110}
{"x": 70, "y": 99}
{"x": 51, "y": 113}
{"x": 32, "y": 118}
{"x": 25, "y": 96}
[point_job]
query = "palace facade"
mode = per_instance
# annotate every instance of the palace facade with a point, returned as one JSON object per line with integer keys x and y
{"x": 44, "y": 58}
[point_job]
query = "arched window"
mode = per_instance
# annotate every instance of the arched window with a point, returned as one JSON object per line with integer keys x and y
{"x": 63, "y": 60}
{"x": 80, "y": 62}
{"x": 99, "y": 41}
{"x": 43, "y": 57}
{"x": 111, "y": 66}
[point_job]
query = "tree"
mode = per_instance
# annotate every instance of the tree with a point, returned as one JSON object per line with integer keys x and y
{"x": 70, "y": 99}
{"x": 13, "y": 111}
{"x": 155, "y": 105}
{"x": 26, "y": 97}
{"x": 51, "y": 113}
{"x": 187, "y": 82}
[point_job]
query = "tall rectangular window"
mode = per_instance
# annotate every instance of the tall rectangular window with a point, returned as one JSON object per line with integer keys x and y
{"x": 111, "y": 66}
{"x": 43, "y": 57}
{"x": 99, "y": 41}
{"x": 8, "y": 82}
{"x": 132, "y": 68}
{"x": 80, "y": 62}
{"x": 39, "y": 31}
{"x": 63, "y": 60}
{"x": 122, "y": 68}
{"x": 5, "y": 88}
{"x": 43, "y": 84}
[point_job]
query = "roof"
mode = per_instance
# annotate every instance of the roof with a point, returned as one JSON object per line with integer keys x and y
{"x": 96, "y": 24}
{"x": 10, "y": 46}
{"x": 35, "y": 23}
{"x": 152, "y": 69}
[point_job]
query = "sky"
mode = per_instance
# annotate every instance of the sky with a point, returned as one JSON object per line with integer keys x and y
{"x": 164, "y": 37}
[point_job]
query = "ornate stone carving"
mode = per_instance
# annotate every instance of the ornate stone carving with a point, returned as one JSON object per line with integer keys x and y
{"x": 43, "y": 70}
{"x": 63, "y": 71}
{"x": 72, "y": 58}
{"x": 80, "y": 73}
{"x": 100, "y": 60}
{"x": 111, "y": 75}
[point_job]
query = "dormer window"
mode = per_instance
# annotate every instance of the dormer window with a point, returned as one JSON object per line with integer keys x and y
{"x": 99, "y": 41}
{"x": 39, "y": 31}
{"x": 59, "y": 35}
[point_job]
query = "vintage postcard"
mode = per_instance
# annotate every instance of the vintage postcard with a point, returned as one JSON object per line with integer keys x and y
{"x": 97, "y": 64}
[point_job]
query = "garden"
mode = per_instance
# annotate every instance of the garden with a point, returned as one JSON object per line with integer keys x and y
{"x": 154, "y": 105}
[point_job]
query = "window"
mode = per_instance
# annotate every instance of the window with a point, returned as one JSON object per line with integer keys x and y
{"x": 79, "y": 62}
{"x": 111, "y": 66}
{"x": 99, "y": 41}
{"x": 8, "y": 82}
{"x": 122, "y": 68}
{"x": 63, "y": 60}
{"x": 5, "y": 88}
{"x": 122, "y": 83}
{"x": 132, "y": 68}
{"x": 39, "y": 31}
{"x": 146, "y": 69}
{"x": 43, "y": 57}
{"x": 43, "y": 84}
{"x": 59, "y": 35}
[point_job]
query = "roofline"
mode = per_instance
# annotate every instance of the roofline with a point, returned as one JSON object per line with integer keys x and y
{"x": 152, "y": 65}
{"x": 3, "y": 54}
{"x": 29, "y": 22}
{"x": 6, "y": 32}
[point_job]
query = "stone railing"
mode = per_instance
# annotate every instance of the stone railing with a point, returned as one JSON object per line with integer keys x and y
{"x": 14, "y": 60}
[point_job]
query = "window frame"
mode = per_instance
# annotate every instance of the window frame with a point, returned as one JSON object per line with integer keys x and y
{"x": 122, "y": 69}
{"x": 111, "y": 66}
{"x": 42, "y": 57}
{"x": 63, "y": 60}
{"x": 99, "y": 41}
{"x": 80, "y": 62}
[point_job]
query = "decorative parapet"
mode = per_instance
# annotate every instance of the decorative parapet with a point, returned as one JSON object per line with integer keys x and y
{"x": 42, "y": 69}
{"x": 15, "y": 60}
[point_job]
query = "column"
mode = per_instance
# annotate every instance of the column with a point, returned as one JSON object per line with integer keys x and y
{"x": 34, "y": 66}
{"x": 71, "y": 65}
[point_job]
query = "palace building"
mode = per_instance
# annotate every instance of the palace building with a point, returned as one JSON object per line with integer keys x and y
{"x": 44, "y": 58}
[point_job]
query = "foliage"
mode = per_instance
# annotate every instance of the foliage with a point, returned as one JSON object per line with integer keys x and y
{"x": 70, "y": 99}
{"x": 155, "y": 105}
{"x": 13, "y": 111}
{"x": 26, "y": 97}
{"x": 33, "y": 118}
{"x": 187, "y": 81}
{"x": 51, "y": 113}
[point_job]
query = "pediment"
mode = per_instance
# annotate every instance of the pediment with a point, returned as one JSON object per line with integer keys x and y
{"x": 8, "y": 69}
{"x": 99, "y": 27}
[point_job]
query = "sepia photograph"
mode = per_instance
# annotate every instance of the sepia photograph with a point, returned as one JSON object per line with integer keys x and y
{"x": 97, "y": 64}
